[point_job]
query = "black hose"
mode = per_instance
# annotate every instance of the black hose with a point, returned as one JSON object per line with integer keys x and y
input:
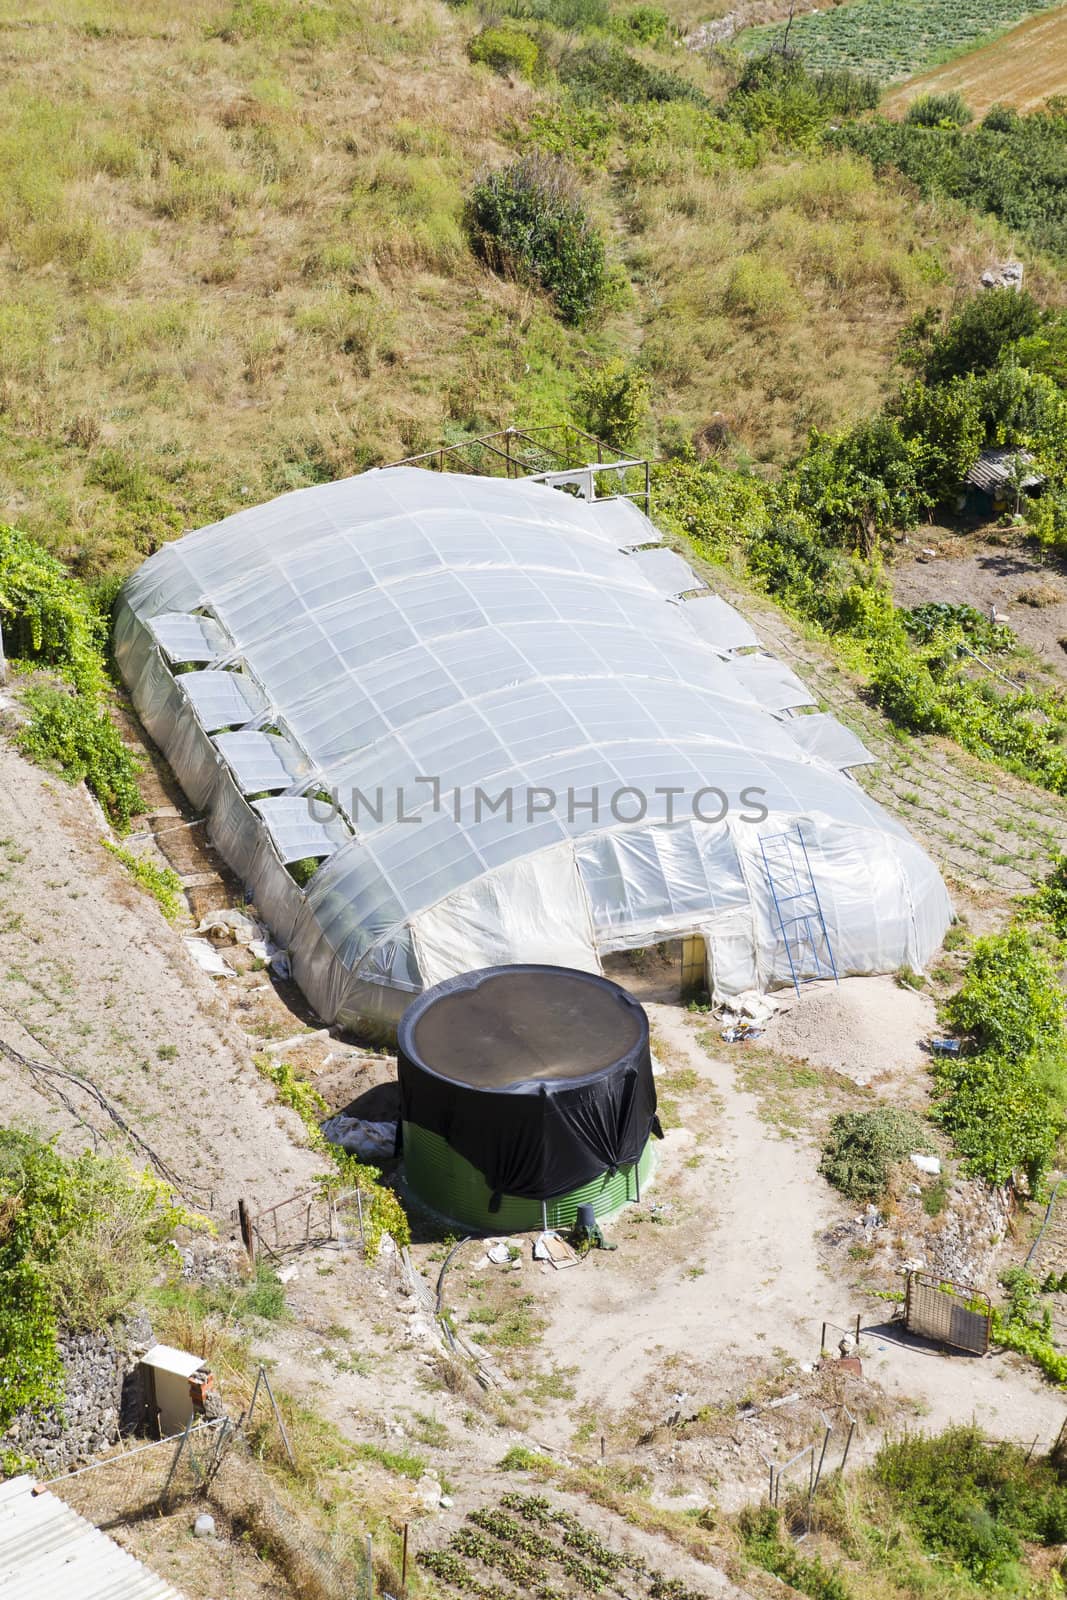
{"x": 445, "y": 1266}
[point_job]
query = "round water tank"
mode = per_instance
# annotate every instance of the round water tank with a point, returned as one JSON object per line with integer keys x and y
{"x": 525, "y": 1091}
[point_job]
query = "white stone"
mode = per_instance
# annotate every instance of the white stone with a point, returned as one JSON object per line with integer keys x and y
{"x": 204, "y": 1526}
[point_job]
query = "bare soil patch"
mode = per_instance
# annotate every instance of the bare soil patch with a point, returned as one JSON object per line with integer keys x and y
{"x": 1029, "y": 589}
{"x": 92, "y": 978}
{"x": 871, "y": 1030}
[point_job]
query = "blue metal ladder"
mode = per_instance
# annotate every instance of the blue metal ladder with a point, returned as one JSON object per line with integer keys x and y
{"x": 797, "y": 907}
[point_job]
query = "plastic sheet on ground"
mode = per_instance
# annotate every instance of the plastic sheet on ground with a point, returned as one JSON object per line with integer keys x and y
{"x": 369, "y": 1141}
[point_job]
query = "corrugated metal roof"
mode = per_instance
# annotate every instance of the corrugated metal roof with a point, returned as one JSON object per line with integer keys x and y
{"x": 993, "y": 470}
{"x": 49, "y": 1552}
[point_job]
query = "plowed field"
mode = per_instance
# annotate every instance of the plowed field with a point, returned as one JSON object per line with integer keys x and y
{"x": 1022, "y": 68}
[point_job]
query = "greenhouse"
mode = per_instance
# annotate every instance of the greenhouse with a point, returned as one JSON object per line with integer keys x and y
{"x": 438, "y": 722}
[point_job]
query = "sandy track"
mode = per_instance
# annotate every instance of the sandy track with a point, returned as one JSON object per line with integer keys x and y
{"x": 752, "y": 1287}
{"x": 90, "y": 967}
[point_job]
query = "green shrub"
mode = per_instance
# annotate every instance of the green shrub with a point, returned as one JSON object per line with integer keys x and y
{"x": 605, "y": 71}
{"x": 1025, "y": 1326}
{"x": 74, "y": 737}
{"x": 972, "y": 1499}
{"x": 1000, "y": 1117}
{"x": 862, "y": 1147}
{"x": 1051, "y": 899}
{"x": 976, "y": 338}
{"x": 947, "y": 110}
{"x": 162, "y": 883}
{"x": 45, "y": 614}
{"x": 265, "y": 1297}
{"x": 1022, "y": 407}
{"x": 581, "y": 133}
{"x": 760, "y": 1528}
{"x": 1013, "y": 171}
{"x": 776, "y": 94}
{"x": 1010, "y": 999}
{"x": 1001, "y": 119}
{"x": 940, "y": 621}
{"x": 1004, "y": 1107}
{"x": 383, "y": 1212}
{"x": 613, "y": 404}
{"x": 528, "y": 220}
{"x": 506, "y": 48}
{"x": 643, "y": 25}
{"x": 570, "y": 16}
{"x": 80, "y": 1241}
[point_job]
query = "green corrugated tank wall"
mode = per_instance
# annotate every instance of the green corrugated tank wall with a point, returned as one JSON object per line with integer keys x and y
{"x": 447, "y": 1183}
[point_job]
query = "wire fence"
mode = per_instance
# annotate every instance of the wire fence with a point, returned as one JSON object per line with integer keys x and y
{"x": 213, "y": 1464}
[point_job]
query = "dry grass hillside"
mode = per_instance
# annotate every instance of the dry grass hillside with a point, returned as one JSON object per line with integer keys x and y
{"x": 232, "y": 261}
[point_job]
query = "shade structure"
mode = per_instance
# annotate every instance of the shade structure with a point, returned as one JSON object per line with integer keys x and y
{"x": 525, "y": 1090}
{"x": 509, "y": 742}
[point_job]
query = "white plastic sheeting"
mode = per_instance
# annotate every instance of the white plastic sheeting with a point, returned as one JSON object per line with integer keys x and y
{"x": 502, "y": 741}
{"x": 722, "y": 626}
{"x": 823, "y": 736}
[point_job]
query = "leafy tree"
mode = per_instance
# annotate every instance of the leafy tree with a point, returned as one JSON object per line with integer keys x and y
{"x": 979, "y": 334}
{"x": 863, "y": 482}
{"x": 1022, "y": 407}
{"x": 528, "y": 220}
{"x": 1045, "y": 351}
{"x": 613, "y": 403}
{"x": 945, "y": 423}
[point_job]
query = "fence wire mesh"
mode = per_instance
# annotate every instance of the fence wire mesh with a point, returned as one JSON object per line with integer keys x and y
{"x": 213, "y": 1465}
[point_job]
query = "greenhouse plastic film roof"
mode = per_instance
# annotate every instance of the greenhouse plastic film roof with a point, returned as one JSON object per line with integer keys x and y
{"x": 473, "y": 702}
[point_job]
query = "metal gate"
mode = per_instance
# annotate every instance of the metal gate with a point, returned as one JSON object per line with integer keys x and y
{"x": 950, "y": 1313}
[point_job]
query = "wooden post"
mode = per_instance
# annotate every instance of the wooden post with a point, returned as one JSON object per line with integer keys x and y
{"x": 370, "y": 1567}
{"x": 857, "y": 1332}
{"x": 359, "y": 1208}
{"x": 244, "y": 1222}
{"x": 404, "y": 1564}
{"x": 822, "y": 1339}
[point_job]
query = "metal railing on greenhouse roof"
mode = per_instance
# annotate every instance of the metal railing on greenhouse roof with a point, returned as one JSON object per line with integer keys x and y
{"x": 556, "y": 453}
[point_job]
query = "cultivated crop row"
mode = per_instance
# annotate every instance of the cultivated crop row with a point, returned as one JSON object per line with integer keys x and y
{"x": 540, "y": 1550}
{"x": 889, "y": 39}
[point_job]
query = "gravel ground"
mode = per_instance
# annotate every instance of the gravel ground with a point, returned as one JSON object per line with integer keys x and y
{"x": 865, "y": 1028}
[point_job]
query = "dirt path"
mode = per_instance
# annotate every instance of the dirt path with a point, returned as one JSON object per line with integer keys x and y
{"x": 752, "y": 1280}
{"x": 754, "y": 1287}
{"x": 93, "y": 978}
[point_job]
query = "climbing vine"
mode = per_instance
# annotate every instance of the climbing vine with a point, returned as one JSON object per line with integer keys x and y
{"x": 385, "y": 1214}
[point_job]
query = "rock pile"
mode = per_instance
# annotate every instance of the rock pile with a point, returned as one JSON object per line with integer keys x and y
{"x": 88, "y": 1419}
